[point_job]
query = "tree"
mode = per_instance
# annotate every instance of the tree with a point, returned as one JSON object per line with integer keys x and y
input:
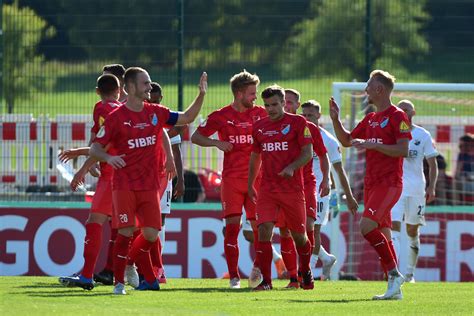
{"x": 22, "y": 32}
{"x": 334, "y": 39}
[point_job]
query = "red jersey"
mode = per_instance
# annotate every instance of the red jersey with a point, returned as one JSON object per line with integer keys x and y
{"x": 318, "y": 148}
{"x": 279, "y": 144}
{"x": 384, "y": 128}
{"x": 136, "y": 136}
{"x": 102, "y": 109}
{"x": 236, "y": 128}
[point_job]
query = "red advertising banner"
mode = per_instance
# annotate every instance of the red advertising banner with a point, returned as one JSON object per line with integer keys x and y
{"x": 50, "y": 241}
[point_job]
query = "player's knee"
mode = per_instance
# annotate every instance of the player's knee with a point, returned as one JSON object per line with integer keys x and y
{"x": 248, "y": 235}
{"x": 412, "y": 230}
{"x": 150, "y": 234}
{"x": 396, "y": 226}
{"x": 300, "y": 239}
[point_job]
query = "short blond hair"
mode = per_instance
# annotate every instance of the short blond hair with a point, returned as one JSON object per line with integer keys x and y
{"x": 406, "y": 101}
{"x": 242, "y": 80}
{"x": 384, "y": 77}
{"x": 294, "y": 92}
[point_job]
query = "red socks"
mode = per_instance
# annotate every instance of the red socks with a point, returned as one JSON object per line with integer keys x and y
{"x": 304, "y": 254}
{"x": 122, "y": 243}
{"x": 92, "y": 243}
{"x": 255, "y": 246}
{"x": 381, "y": 245}
{"x": 288, "y": 253}
{"x": 140, "y": 253}
{"x": 231, "y": 249}
{"x": 264, "y": 257}
{"x": 155, "y": 253}
{"x": 110, "y": 251}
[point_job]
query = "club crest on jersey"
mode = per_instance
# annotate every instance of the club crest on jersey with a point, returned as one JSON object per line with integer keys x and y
{"x": 101, "y": 132}
{"x": 384, "y": 122}
{"x": 404, "y": 128}
{"x": 154, "y": 119}
{"x": 285, "y": 129}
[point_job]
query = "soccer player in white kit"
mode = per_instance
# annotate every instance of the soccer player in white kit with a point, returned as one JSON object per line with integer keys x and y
{"x": 411, "y": 205}
{"x": 312, "y": 113}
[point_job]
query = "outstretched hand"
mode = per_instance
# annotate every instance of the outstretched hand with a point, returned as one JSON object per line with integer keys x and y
{"x": 203, "y": 83}
{"x": 333, "y": 109}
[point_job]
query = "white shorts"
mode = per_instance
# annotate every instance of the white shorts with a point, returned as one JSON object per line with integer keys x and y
{"x": 322, "y": 211}
{"x": 165, "y": 202}
{"x": 410, "y": 209}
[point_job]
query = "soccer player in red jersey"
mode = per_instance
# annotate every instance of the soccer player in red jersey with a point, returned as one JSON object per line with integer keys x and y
{"x": 282, "y": 146}
{"x": 288, "y": 248}
{"x": 108, "y": 88}
{"x": 118, "y": 71}
{"x": 132, "y": 130}
{"x": 385, "y": 135}
{"x": 234, "y": 124}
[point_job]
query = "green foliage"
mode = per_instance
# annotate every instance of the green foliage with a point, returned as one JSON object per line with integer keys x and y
{"x": 23, "y": 31}
{"x": 334, "y": 39}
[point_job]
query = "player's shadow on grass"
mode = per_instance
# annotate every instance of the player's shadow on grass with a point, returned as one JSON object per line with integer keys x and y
{"x": 62, "y": 293}
{"x": 206, "y": 290}
{"x": 340, "y": 301}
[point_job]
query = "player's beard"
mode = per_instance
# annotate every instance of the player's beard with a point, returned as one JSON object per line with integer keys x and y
{"x": 247, "y": 104}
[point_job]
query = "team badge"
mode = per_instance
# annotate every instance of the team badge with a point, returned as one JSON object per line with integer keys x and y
{"x": 384, "y": 122}
{"x": 101, "y": 120}
{"x": 307, "y": 133}
{"x": 404, "y": 128}
{"x": 154, "y": 119}
{"x": 101, "y": 132}
{"x": 285, "y": 129}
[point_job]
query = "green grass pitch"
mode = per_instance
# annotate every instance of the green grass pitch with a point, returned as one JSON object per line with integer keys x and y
{"x": 44, "y": 296}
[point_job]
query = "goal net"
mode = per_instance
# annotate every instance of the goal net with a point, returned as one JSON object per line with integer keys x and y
{"x": 447, "y": 241}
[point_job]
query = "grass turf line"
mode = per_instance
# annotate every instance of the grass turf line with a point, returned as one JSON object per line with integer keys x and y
{"x": 43, "y": 295}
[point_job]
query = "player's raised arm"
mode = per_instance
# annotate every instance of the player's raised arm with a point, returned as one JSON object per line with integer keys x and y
{"x": 341, "y": 133}
{"x": 192, "y": 111}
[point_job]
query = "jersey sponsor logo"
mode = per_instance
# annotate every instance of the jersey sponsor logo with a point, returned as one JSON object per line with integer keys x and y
{"x": 307, "y": 132}
{"x": 154, "y": 119}
{"x": 142, "y": 142}
{"x": 375, "y": 140}
{"x": 101, "y": 132}
{"x": 285, "y": 129}
{"x": 101, "y": 120}
{"x": 129, "y": 123}
{"x": 276, "y": 146}
{"x": 404, "y": 128}
{"x": 240, "y": 139}
{"x": 384, "y": 122}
